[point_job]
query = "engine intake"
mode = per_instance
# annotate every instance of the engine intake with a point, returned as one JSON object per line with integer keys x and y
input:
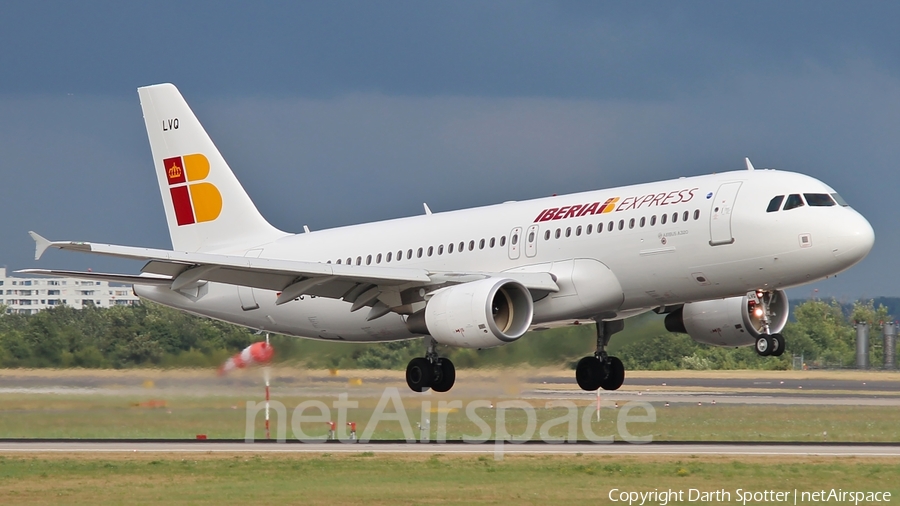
{"x": 479, "y": 314}
{"x": 736, "y": 321}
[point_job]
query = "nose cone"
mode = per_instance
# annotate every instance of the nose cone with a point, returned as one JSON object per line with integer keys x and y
{"x": 852, "y": 238}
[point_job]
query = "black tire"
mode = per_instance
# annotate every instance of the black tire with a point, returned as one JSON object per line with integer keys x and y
{"x": 446, "y": 376}
{"x": 419, "y": 374}
{"x": 764, "y": 345}
{"x": 779, "y": 345}
{"x": 590, "y": 373}
{"x": 616, "y": 375}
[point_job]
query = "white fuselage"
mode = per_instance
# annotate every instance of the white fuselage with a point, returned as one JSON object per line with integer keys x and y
{"x": 728, "y": 245}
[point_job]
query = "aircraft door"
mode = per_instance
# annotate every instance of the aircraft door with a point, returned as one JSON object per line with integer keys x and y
{"x": 531, "y": 238}
{"x": 720, "y": 214}
{"x": 515, "y": 240}
{"x": 245, "y": 293}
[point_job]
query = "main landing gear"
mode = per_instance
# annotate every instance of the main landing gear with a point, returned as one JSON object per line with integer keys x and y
{"x": 601, "y": 370}
{"x": 430, "y": 371}
{"x": 767, "y": 344}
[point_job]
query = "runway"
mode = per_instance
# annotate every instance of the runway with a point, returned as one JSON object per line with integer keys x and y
{"x": 536, "y": 448}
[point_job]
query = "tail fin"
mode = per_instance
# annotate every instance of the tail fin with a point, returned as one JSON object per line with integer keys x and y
{"x": 206, "y": 207}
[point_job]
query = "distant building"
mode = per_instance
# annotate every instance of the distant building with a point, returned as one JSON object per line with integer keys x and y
{"x": 30, "y": 295}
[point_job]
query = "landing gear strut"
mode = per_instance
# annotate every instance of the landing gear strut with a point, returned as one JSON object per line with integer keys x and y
{"x": 601, "y": 370}
{"x": 767, "y": 344}
{"x": 430, "y": 371}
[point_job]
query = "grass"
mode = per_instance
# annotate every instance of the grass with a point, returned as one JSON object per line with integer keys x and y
{"x": 184, "y": 403}
{"x": 104, "y": 416}
{"x": 404, "y": 479}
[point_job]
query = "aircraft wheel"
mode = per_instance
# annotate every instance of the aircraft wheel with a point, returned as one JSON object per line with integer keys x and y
{"x": 445, "y": 377}
{"x": 419, "y": 374}
{"x": 590, "y": 373}
{"x": 764, "y": 345}
{"x": 616, "y": 375}
{"x": 779, "y": 345}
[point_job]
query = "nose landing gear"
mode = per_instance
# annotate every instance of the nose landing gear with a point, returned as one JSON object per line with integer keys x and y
{"x": 601, "y": 370}
{"x": 767, "y": 344}
{"x": 770, "y": 345}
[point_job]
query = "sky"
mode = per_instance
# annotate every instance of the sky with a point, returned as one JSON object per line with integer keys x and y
{"x": 335, "y": 113}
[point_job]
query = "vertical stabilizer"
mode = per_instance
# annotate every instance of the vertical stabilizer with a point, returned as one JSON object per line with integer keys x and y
{"x": 206, "y": 207}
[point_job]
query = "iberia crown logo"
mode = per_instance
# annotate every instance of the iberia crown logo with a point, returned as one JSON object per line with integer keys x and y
{"x": 194, "y": 201}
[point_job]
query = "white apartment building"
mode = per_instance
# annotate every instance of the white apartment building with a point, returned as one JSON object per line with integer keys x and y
{"x": 30, "y": 295}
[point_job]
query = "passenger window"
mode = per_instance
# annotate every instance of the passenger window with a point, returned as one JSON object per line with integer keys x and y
{"x": 793, "y": 201}
{"x": 378, "y": 258}
{"x": 631, "y": 223}
{"x": 568, "y": 231}
{"x": 450, "y": 248}
{"x": 349, "y": 261}
{"x": 558, "y": 233}
{"x": 358, "y": 260}
{"x": 547, "y": 235}
{"x": 775, "y": 204}
{"x": 339, "y": 261}
{"x": 621, "y": 224}
{"x": 481, "y": 242}
{"x": 643, "y": 221}
{"x": 440, "y": 249}
{"x": 462, "y": 246}
{"x": 663, "y": 218}
{"x": 684, "y": 216}
{"x": 653, "y": 220}
{"x": 400, "y": 255}
{"x": 472, "y": 244}
{"x": 502, "y": 241}
{"x": 840, "y": 200}
{"x": 588, "y": 231}
{"x": 609, "y": 228}
{"x": 818, "y": 199}
{"x": 530, "y": 238}
{"x": 408, "y": 254}
{"x": 696, "y": 214}
{"x": 419, "y": 253}
{"x": 430, "y": 250}
{"x": 368, "y": 259}
{"x": 493, "y": 241}
{"x": 578, "y": 230}
{"x": 388, "y": 258}
{"x": 674, "y": 217}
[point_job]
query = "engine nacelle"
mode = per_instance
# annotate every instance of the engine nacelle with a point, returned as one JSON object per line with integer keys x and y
{"x": 736, "y": 321}
{"x": 479, "y": 314}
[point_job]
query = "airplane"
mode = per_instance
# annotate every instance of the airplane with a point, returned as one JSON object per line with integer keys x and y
{"x": 713, "y": 253}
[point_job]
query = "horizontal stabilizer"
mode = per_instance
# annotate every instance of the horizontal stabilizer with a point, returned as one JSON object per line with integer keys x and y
{"x": 145, "y": 279}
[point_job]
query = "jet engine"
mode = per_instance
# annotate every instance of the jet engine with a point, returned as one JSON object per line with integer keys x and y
{"x": 479, "y": 314}
{"x": 736, "y": 321}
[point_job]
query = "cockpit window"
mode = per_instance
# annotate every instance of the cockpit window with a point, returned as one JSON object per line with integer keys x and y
{"x": 818, "y": 199}
{"x": 840, "y": 200}
{"x": 793, "y": 201}
{"x": 775, "y": 204}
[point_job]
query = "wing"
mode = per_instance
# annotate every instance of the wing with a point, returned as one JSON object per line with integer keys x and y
{"x": 385, "y": 289}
